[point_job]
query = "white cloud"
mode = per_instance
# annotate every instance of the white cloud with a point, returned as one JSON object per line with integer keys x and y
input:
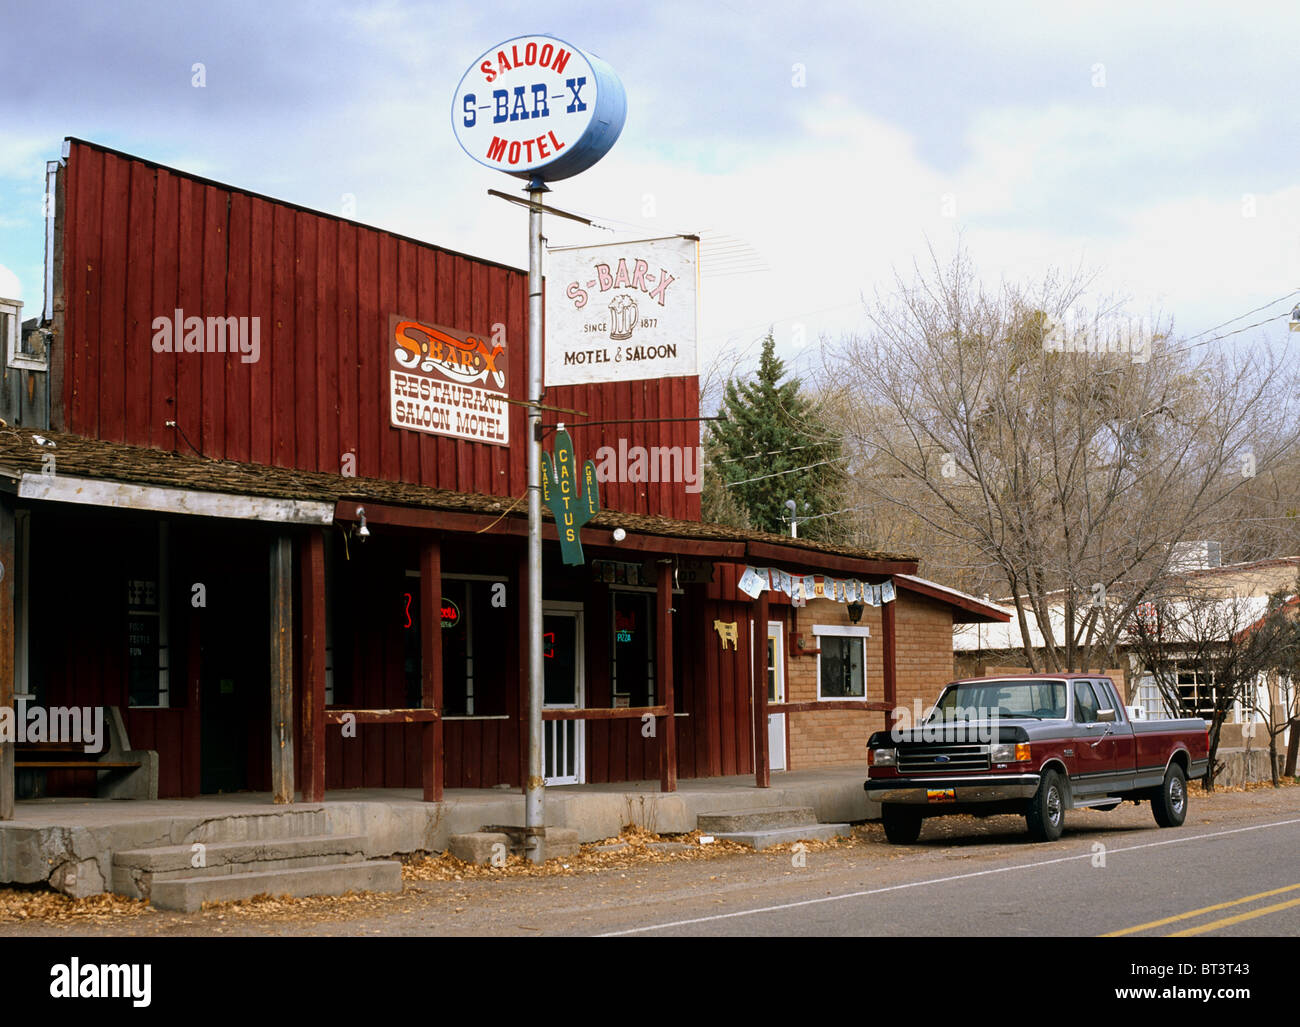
{"x": 10, "y": 287}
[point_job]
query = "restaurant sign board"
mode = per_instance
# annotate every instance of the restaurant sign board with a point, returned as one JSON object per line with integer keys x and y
{"x": 445, "y": 381}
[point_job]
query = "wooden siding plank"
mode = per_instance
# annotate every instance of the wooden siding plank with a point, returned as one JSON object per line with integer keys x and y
{"x": 306, "y": 255}
{"x": 325, "y": 345}
{"x": 262, "y": 302}
{"x": 138, "y": 333}
{"x": 214, "y": 368}
{"x": 239, "y": 370}
{"x": 282, "y": 337}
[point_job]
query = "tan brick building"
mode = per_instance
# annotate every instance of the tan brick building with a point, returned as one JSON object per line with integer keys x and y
{"x": 826, "y": 660}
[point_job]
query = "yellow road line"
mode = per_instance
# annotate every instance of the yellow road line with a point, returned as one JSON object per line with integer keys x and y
{"x": 1199, "y": 912}
{"x": 1230, "y": 920}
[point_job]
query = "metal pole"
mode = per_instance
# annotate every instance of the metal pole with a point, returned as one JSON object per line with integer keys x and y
{"x": 535, "y": 787}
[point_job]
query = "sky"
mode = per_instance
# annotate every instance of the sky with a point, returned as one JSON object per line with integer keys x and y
{"x": 818, "y": 147}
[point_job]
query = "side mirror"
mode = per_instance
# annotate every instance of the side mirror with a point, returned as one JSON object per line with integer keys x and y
{"x": 1105, "y": 716}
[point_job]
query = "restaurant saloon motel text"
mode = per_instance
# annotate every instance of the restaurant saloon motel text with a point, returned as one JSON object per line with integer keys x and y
{"x": 447, "y": 382}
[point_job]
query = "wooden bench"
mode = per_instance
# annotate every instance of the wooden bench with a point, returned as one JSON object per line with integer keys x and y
{"x": 122, "y": 772}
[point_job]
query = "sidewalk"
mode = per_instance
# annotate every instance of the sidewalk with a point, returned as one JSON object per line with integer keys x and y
{"x": 70, "y": 842}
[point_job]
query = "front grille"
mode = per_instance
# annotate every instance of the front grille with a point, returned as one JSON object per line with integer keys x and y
{"x": 921, "y": 759}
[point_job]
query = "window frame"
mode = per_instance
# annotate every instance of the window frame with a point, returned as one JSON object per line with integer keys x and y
{"x": 861, "y": 632}
{"x": 472, "y": 693}
{"x": 15, "y": 356}
{"x": 652, "y": 686}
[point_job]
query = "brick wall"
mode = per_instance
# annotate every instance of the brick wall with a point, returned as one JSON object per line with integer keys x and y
{"x": 924, "y": 665}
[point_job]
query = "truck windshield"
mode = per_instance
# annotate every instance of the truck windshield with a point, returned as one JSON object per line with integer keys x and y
{"x": 980, "y": 700}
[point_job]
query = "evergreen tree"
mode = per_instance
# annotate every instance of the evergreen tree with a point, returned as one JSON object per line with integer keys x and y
{"x": 770, "y": 427}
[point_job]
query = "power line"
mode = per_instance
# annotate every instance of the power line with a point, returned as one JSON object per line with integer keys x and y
{"x": 792, "y": 470}
{"x": 1240, "y": 316}
{"x": 770, "y": 452}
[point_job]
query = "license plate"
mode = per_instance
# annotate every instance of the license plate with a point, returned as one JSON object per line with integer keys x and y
{"x": 941, "y": 794}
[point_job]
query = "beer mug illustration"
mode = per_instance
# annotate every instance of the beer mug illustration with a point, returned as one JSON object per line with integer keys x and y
{"x": 622, "y": 317}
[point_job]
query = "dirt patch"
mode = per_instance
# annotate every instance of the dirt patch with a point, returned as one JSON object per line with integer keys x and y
{"x": 636, "y": 851}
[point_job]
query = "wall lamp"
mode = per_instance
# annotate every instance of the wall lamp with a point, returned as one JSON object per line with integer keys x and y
{"x": 360, "y": 529}
{"x": 855, "y": 612}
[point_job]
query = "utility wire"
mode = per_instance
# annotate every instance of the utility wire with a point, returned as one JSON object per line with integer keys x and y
{"x": 1240, "y": 316}
{"x": 792, "y": 470}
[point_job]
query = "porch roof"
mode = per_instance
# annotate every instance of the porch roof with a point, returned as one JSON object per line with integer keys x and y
{"x": 291, "y": 495}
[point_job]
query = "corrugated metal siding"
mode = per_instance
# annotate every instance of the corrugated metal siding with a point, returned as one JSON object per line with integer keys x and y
{"x": 141, "y": 241}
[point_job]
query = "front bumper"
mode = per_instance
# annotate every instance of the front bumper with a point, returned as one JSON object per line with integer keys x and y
{"x": 970, "y": 788}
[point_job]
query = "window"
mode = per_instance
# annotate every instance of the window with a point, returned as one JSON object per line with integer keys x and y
{"x": 1196, "y": 690}
{"x": 148, "y": 675}
{"x": 475, "y": 625}
{"x": 1085, "y": 703}
{"x": 1109, "y": 698}
{"x": 26, "y": 352}
{"x": 632, "y": 648}
{"x": 842, "y": 665}
{"x": 1150, "y": 699}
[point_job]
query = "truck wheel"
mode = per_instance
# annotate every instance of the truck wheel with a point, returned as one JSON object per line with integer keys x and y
{"x": 902, "y": 826}
{"x": 1046, "y": 814}
{"x": 1170, "y": 806}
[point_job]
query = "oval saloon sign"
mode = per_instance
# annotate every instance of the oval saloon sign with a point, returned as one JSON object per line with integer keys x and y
{"x": 538, "y": 107}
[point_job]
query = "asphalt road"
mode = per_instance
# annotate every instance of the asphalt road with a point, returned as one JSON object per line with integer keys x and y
{"x": 1230, "y": 871}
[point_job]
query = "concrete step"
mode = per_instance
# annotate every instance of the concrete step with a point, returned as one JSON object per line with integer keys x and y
{"x": 756, "y": 819}
{"x": 274, "y": 824}
{"x": 137, "y": 871}
{"x": 187, "y": 894}
{"x": 762, "y": 838}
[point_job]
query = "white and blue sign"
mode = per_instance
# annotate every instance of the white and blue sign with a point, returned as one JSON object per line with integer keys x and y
{"x": 538, "y": 108}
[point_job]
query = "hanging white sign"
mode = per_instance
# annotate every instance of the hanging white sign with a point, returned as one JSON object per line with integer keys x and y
{"x": 622, "y": 311}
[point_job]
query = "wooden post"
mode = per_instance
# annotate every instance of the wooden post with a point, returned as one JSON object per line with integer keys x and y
{"x": 762, "y": 761}
{"x": 664, "y": 662}
{"x": 887, "y": 625}
{"x": 312, "y": 578}
{"x": 192, "y": 767}
{"x": 7, "y": 625}
{"x": 282, "y": 668}
{"x": 431, "y": 749}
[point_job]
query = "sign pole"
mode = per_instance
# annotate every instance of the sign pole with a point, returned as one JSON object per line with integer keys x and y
{"x": 535, "y": 787}
{"x": 543, "y": 110}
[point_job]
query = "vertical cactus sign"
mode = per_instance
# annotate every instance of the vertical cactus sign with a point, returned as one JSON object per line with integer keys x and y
{"x": 560, "y": 493}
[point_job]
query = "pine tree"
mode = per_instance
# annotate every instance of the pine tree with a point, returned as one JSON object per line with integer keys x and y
{"x": 770, "y": 427}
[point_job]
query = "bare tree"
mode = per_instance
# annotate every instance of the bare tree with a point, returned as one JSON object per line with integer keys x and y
{"x": 1277, "y": 703}
{"x": 1066, "y": 453}
{"x": 1206, "y": 652}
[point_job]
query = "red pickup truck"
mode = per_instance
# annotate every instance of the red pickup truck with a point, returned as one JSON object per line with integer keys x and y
{"x": 1035, "y": 745}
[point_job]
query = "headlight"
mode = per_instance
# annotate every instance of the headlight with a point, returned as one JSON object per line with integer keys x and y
{"x": 882, "y": 757}
{"x": 1010, "y": 753}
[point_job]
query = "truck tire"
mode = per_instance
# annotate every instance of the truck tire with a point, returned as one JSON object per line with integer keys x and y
{"x": 902, "y": 826}
{"x": 1046, "y": 814}
{"x": 1170, "y": 806}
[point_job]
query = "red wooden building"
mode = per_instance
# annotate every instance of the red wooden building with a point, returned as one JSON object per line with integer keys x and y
{"x": 235, "y": 546}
